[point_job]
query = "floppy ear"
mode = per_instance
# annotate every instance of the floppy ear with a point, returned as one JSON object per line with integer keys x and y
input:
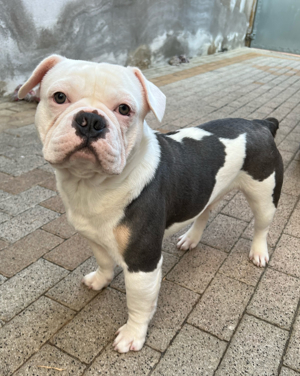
{"x": 155, "y": 98}
{"x": 38, "y": 74}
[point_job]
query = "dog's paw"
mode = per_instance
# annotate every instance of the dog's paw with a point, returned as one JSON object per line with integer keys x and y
{"x": 96, "y": 280}
{"x": 187, "y": 241}
{"x": 129, "y": 338}
{"x": 259, "y": 259}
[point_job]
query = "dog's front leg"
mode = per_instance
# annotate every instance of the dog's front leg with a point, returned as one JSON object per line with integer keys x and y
{"x": 105, "y": 272}
{"x": 141, "y": 292}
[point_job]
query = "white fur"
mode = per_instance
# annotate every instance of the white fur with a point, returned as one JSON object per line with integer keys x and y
{"x": 195, "y": 133}
{"x": 141, "y": 293}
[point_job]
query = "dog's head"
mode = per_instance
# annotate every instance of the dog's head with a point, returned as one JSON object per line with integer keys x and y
{"x": 91, "y": 115}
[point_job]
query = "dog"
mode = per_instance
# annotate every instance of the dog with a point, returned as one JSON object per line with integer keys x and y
{"x": 126, "y": 187}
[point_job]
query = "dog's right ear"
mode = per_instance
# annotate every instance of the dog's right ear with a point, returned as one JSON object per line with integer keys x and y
{"x": 38, "y": 74}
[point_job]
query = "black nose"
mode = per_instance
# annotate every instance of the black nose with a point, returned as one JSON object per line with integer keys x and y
{"x": 90, "y": 125}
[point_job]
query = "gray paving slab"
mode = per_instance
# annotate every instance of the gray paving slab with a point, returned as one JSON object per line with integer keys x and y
{"x": 288, "y": 372}
{"x": 25, "y": 223}
{"x": 93, "y": 327}
{"x": 221, "y": 306}
{"x": 255, "y": 349}
{"x": 27, "y": 332}
{"x": 276, "y": 298}
{"x": 165, "y": 324}
{"x": 291, "y": 184}
{"x": 112, "y": 363}
{"x": 286, "y": 257}
{"x": 223, "y": 232}
{"x": 292, "y": 228}
{"x": 25, "y": 200}
{"x": 4, "y": 217}
{"x": 4, "y": 195}
{"x": 49, "y": 361}
{"x": 292, "y": 358}
{"x": 239, "y": 208}
{"x": 193, "y": 352}
{"x": 197, "y": 268}
{"x": 18, "y": 165}
{"x": 2, "y": 278}
{"x": 238, "y": 266}
{"x": 25, "y": 287}
{"x": 26, "y": 250}
{"x": 71, "y": 291}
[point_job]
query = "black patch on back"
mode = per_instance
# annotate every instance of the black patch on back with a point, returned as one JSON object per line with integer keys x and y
{"x": 185, "y": 178}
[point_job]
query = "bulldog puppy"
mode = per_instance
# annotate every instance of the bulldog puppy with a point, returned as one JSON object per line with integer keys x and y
{"x": 126, "y": 186}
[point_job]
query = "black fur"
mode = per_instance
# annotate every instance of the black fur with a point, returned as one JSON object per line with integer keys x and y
{"x": 185, "y": 178}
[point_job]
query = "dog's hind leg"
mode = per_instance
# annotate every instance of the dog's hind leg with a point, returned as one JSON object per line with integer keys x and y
{"x": 104, "y": 274}
{"x": 192, "y": 237}
{"x": 259, "y": 195}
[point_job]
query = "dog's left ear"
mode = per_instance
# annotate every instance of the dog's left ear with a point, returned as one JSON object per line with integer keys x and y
{"x": 155, "y": 98}
{"x": 38, "y": 74}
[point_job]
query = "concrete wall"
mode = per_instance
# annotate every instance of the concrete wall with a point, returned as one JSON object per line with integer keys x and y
{"x": 135, "y": 32}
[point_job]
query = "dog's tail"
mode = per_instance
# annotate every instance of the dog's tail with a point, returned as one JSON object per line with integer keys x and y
{"x": 272, "y": 124}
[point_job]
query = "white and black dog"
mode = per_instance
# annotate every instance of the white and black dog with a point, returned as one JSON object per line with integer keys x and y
{"x": 126, "y": 186}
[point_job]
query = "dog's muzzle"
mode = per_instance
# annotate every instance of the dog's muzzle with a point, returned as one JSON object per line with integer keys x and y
{"x": 90, "y": 125}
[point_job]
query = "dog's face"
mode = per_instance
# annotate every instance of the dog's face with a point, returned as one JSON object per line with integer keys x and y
{"x": 91, "y": 115}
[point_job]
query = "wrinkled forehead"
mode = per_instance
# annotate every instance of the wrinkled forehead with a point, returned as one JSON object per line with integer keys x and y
{"x": 97, "y": 80}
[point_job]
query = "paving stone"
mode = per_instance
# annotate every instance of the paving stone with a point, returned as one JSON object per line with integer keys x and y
{"x": 60, "y": 227}
{"x": 25, "y": 223}
{"x": 55, "y": 204}
{"x": 286, "y": 157}
{"x": 239, "y": 208}
{"x": 292, "y": 358}
{"x": 286, "y": 257}
{"x": 288, "y": 145}
{"x": 26, "y": 251}
{"x": 221, "y": 306}
{"x": 71, "y": 291}
{"x": 238, "y": 266}
{"x": 16, "y": 185}
{"x": 197, "y": 268}
{"x": 25, "y": 200}
{"x": 70, "y": 253}
{"x": 2, "y": 279}
{"x": 3, "y": 244}
{"x": 223, "y": 232}
{"x": 93, "y": 327}
{"x": 288, "y": 372}
{"x": 135, "y": 363}
{"x": 291, "y": 183}
{"x": 174, "y": 305}
{"x": 292, "y": 227}
{"x": 276, "y": 298}
{"x": 193, "y": 352}
{"x": 168, "y": 262}
{"x": 26, "y": 333}
{"x": 283, "y": 212}
{"x": 19, "y": 166}
{"x": 4, "y": 196}
{"x": 50, "y": 356}
{"x": 3, "y": 216}
{"x": 256, "y": 349}
{"x": 22, "y": 289}
{"x": 49, "y": 183}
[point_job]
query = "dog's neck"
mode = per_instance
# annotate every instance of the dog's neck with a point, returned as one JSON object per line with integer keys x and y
{"x": 140, "y": 167}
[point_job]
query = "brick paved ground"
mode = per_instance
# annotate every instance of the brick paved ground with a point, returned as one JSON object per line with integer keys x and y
{"x": 218, "y": 314}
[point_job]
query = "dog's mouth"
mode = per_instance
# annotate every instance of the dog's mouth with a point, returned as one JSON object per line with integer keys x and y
{"x": 84, "y": 153}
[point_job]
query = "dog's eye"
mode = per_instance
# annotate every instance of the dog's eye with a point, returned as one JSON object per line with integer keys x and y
{"x": 124, "y": 109}
{"x": 60, "y": 97}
